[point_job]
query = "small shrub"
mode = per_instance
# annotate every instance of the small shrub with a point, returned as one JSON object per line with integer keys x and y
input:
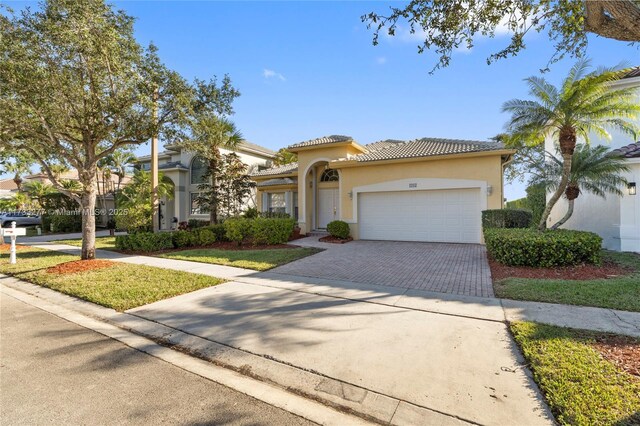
{"x": 196, "y": 223}
{"x": 218, "y": 230}
{"x": 69, "y": 222}
{"x": 251, "y": 213}
{"x": 237, "y": 229}
{"x": 204, "y": 236}
{"x": 506, "y": 218}
{"x": 271, "y": 230}
{"x": 274, "y": 215}
{"x": 145, "y": 241}
{"x": 183, "y": 239}
{"x": 529, "y": 247}
{"x": 338, "y": 229}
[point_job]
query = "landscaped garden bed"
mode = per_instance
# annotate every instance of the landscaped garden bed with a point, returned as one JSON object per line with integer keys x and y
{"x": 335, "y": 240}
{"x": 120, "y": 286}
{"x": 587, "y": 378}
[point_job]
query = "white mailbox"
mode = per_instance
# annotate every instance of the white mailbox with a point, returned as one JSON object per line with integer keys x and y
{"x": 12, "y": 232}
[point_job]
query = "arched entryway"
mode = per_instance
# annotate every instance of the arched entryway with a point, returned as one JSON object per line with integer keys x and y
{"x": 322, "y": 198}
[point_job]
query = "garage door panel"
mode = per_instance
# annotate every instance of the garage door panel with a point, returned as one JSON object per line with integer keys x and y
{"x": 438, "y": 215}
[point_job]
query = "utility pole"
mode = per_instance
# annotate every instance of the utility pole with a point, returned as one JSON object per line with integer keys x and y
{"x": 154, "y": 168}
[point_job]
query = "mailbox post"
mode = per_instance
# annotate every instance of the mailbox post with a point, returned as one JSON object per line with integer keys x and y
{"x": 12, "y": 232}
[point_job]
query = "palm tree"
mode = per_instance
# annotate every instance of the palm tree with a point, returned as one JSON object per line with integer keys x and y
{"x": 119, "y": 161}
{"x": 593, "y": 170}
{"x": 209, "y": 134}
{"x": 37, "y": 191}
{"x": 584, "y": 103}
{"x": 21, "y": 165}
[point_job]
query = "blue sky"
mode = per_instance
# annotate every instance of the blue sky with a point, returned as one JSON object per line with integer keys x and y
{"x": 309, "y": 69}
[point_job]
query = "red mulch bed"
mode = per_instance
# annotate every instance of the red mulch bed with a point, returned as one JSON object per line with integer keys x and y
{"x": 335, "y": 240}
{"x": 7, "y": 247}
{"x": 578, "y": 272}
{"x": 622, "y": 351}
{"x": 80, "y": 266}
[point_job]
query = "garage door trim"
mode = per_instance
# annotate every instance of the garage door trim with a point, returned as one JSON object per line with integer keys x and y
{"x": 420, "y": 184}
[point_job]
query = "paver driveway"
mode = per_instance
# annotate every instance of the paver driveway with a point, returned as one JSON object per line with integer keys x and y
{"x": 446, "y": 268}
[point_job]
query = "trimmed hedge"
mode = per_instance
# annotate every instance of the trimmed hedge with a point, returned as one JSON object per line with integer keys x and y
{"x": 145, "y": 241}
{"x": 530, "y": 247}
{"x": 338, "y": 229}
{"x": 237, "y": 229}
{"x": 271, "y": 230}
{"x": 182, "y": 239}
{"x": 506, "y": 218}
{"x": 63, "y": 222}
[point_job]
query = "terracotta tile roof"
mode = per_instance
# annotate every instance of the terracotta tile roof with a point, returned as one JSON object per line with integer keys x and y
{"x": 322, "y": 141}
{"x": 281, "y": 170}
{"x": 634, "y": 72}
{"x": 628, "y": 151}
{"x": 172, "y": 165}
{"x": 375, "y": 146}
{"x": 8, "y": 184}
{"x": 427, "y": 147}
{"x": 274, "y": 182}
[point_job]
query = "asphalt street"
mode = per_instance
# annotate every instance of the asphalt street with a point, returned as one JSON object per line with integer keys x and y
{"x": 56, "y": 372}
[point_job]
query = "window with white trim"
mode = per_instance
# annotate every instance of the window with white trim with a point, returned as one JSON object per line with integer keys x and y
{"x": 330, "y": 175}
{"x": 276, "y": 202}
{"x": 197, "y": 208}
{"x": 198, "y": 170}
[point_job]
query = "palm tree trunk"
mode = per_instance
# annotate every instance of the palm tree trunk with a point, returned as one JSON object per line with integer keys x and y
{"x": 566, "y": 216}
{"x": 567, "y": 146}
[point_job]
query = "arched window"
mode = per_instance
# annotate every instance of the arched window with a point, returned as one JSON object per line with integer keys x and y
{"x": 198, "y": 170}
{"x": 330, "y": 175}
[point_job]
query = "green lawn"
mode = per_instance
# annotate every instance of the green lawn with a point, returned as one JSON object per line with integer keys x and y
{"x": 121, "y": 286}
{"x": 580, "y": 386}
{"x": 617, "y": 293}
{"x": 105, "y": 243}
{"x": 259, "y": 260}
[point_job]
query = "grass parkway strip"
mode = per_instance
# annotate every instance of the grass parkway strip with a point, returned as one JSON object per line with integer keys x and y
{"x": 117, "y": 285}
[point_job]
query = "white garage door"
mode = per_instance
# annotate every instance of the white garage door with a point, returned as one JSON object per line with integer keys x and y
{"x": 451, "y": 215}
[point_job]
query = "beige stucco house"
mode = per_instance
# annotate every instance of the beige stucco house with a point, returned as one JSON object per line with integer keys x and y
{"x": 422, "y": 190}
{"x": 184, "y": 171}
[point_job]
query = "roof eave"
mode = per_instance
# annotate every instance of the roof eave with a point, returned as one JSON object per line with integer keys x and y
{"x": 278, "y": 176}
{"x": 337, "y": 164}
{"x": 329, "y": 144}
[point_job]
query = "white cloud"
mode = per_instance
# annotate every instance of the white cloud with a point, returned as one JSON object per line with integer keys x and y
{"x": 381, "y": 60}
{"x": 268, "y": 74}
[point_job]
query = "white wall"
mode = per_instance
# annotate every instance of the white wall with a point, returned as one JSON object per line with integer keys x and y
{"x": 612, "y": 218}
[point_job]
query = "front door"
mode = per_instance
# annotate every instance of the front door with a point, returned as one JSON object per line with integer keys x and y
{"x": 327, "y": 206}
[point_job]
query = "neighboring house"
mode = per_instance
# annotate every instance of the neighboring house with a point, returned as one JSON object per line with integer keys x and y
{"x": 7, "y": 188}
{"x": 616, "y": 219}
{"x": 185, "y": 171}
{"x": 422, "y": 190}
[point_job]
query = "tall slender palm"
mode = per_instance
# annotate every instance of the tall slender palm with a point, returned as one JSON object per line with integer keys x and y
{"x": 593, "y": 170}
{"x": 210, "y": 133}
{"x": 584, "y": 103}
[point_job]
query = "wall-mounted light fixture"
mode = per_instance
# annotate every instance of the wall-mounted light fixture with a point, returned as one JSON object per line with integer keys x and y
{"x": 631, "y": 186}
{"x": 310, "y": 184}
{"x": 489, "y": 189}
{"x": 351, "y": 195}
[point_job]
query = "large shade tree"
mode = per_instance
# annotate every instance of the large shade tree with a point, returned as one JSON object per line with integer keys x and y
{"x": 584, "y": 103}
{"x": 76, "y": 87}
{"x": 593, "y": 169}
{"x": 447, "y": 25}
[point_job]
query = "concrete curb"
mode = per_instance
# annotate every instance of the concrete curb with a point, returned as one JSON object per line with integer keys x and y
{"x": 304, "y": 393}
